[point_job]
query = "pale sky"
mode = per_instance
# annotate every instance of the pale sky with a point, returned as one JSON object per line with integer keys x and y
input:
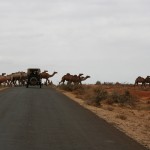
{"x": 106, "y": 39}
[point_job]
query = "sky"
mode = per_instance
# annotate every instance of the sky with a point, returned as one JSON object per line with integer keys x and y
{"x": 106, "y": 39}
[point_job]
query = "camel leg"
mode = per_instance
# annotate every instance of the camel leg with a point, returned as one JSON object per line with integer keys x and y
{"x": 143, "y": 85}
{"x": 80, "y": 83}
{"x": 14, "y": 82}
{"x": 62, "y": 81}
{"x": 69, "y": 83}
{"x": 46, "y": 82}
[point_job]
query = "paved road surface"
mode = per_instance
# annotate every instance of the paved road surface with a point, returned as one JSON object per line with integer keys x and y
{"x": 44, "y": 119}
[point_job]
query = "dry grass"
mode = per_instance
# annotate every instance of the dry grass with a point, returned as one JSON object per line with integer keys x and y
{"x": 121, "y": 116}
{"x": 98, "y": 94}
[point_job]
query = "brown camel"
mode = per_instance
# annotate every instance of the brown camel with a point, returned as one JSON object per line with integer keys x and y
{"x": 78, "y": 79}
{"x": 9, "y": 80}
{"x": 17, "y": 76}
{"x": 70, "y": 78}
{"x": 147, "y": 80}
{"x": 65, "y": 78}
{"x": 3, "y": 79}
{"x": 13, "y": 78}
{"x": 45, "y": 75}
{"x": 139, "y": 80}
{"x": 23, "y": 79}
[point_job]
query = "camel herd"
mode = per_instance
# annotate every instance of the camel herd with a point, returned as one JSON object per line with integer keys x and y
{"x": 142, "y": 80}
{"x": 76, "y": 79}
{"x": 20, "y": 78}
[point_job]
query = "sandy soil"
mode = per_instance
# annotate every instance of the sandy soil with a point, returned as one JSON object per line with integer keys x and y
{"x": 133, "y": 122}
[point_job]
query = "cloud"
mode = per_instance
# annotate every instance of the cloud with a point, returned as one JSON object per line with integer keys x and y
{"x": 106, "y": 39}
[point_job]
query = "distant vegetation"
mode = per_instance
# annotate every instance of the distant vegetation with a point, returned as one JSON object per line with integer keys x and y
{"x": 97, "y": 94}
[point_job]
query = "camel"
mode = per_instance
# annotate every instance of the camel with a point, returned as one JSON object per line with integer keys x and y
{"x": 139, "y": 80}
{"x": 65, "y": 78}
{"x": 23, "y": 79}
{"x": 17, "y": 76}
{"x": 147, "y": 80}
{"x": 45, "y": 75}
{"x": 70, "y": 78}
{"x": 3, "y": 79}
{"x": 9, "y": 79}
{"x": 75, "y": 79}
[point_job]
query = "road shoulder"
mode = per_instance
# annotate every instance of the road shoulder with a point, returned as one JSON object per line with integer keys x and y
{"x": 129, "y": 126}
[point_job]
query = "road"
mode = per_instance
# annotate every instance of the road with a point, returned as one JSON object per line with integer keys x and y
{"x": 44, "y": 119}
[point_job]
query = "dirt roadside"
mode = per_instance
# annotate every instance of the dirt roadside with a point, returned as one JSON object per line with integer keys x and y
{"x": 133, "y": 123}
{"x": 3, "y": 88}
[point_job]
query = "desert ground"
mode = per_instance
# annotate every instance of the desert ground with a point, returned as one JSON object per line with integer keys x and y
{"x": 132, "y": 118}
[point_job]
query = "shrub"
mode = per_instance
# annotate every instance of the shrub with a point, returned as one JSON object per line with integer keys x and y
{"x": 80, "y": 92}
{"x": 115, "y": 97}
{"x": 99, "y": 95}
{"x": 98, "y": 83}
{"x": 125, "y": 98}
{"x": 69, "y": 88}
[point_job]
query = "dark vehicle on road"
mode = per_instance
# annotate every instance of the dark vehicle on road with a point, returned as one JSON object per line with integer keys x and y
{"x": 33, "y": 77}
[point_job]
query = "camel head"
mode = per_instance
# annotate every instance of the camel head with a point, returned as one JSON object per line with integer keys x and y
{"x": 88, "y": 77}
{"x": 84, "y": 78}
{"x": 51, "y": 75}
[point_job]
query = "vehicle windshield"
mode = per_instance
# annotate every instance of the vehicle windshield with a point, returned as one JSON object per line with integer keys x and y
{"x": 33, "y": 70}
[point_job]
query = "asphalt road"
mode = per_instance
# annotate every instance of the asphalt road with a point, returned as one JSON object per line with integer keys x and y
{"x": 44, "y": 119}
